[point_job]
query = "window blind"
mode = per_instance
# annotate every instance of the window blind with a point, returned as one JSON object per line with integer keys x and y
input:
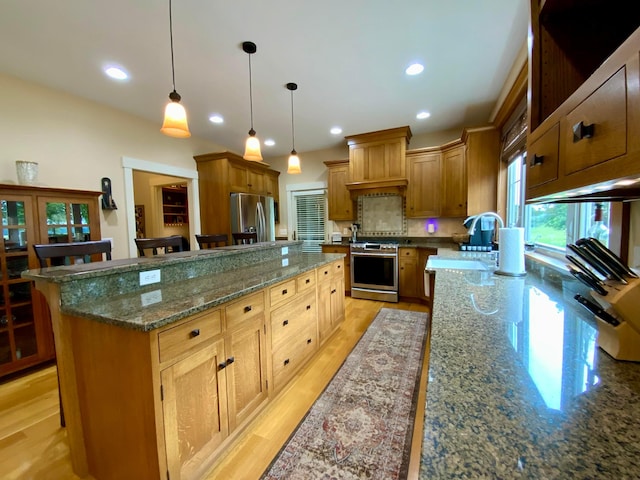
{"x": 311, "y": 214}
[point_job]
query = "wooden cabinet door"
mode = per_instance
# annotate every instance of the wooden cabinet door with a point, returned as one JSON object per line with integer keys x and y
{"x": 324, "y": 304}
{"x": 341, "y": 206}
{"x": 423, "y": 195}
{"x": 271, "y": 187}
{"x": 246, "y": 369}
{"x": 454, "y": 183}
{"x": 407, "y": 272}
{"x": 238, "y": 178}
{"x": 255, "y": 181}
{"x": 194, "y": 409}
{"x": 68, "y": 219}
{"x": 423, "y": 256}
{"x": 337, "y": 301}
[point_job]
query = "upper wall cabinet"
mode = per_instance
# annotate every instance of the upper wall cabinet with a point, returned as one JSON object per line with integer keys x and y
{"x": 341, "y": 205}
{"x": 454, "y": 182}
{"x": 482, "y": 168}
{"x": 423, "y": 191}
{"x": 221, "y": 173}
{"x": 584, "y": 94}
{"x": 377, "y": 160}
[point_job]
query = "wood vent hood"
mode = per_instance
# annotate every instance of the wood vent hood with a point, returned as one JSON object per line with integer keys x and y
{"x": 377, "y": 162}
{"x": 391, "y": 185}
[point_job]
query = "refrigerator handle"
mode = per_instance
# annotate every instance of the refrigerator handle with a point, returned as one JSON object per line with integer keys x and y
{"x": 261, "y": 222}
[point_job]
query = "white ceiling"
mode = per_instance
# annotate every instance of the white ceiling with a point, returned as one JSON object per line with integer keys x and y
{"x": 347, "y": 57}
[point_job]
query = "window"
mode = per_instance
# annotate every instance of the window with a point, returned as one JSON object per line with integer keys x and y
{"x": 310, "y": 217}
{"x": 551, "y": 226}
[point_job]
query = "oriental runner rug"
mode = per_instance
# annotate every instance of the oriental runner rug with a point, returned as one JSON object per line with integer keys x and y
{"x": 361, "y": 425}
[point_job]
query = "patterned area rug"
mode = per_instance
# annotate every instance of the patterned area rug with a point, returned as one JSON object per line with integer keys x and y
{"x": 361, "y": 425}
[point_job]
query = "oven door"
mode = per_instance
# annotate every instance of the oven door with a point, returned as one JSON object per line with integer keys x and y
{"x": 374, "y": 271}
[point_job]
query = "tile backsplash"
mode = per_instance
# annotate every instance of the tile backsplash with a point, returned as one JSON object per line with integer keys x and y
{"x": 382, "y": 214}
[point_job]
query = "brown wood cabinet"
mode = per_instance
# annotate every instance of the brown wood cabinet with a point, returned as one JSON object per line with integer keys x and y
{"x": 482, "y": 159}
{"x": 454, "y": 181}
{"x": 408, "y": 272}
{"x": 423, "y": 191}
{"x": 584, "y": 89}
{"x": 378, "y": 155}
{"x": 341, "y": 204}
{"x": 347, "y": 263}
{"x": 33, "y": 215}
{"x": 220, "y": 174}
{"x": 330, "y": 299}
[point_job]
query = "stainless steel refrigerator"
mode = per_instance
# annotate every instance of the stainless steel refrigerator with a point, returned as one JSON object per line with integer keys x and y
{"x": 253, "y": 213}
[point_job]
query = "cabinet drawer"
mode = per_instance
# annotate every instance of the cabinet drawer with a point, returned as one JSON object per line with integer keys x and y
{"x": 336, "y": 249}
{"x": 325, "y": 272}
{"x": 179, "y": 339}
{"x": 288, "y": 360}
{"x": 282, "y": 292}
{"x": 606, "y": 110}
{"x": 306, "y": 281}
{"x": 245, "y": 308}
{"x": 408, "y": 252}
{"x": 542, "y": 158}
{"x": 288, "y": 320}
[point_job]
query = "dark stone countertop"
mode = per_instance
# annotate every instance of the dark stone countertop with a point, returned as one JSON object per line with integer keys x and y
{"x": 518, "y": 387}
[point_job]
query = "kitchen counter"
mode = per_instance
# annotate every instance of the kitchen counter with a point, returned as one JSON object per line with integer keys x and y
{"x": 191, "y": 282}
{"x": 518, "y": 387}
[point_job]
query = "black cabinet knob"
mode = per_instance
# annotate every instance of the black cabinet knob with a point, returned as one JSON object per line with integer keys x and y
{"x": 284, "y": 292}
{"x": 286, "y": 362}
{"x": 285, "y": 323}
{"x": 247, "y": 308}
{"x": 222, "y": 366}
{"x": 308, "y": 307}
{"x": 536, "y": 160}
{"x": 308, "y": 280}
{"x": 195, "y": 332}
{"x": 230, "y": 360}
{"x": 308, "y": 341}
{"x": 580, "y": 131}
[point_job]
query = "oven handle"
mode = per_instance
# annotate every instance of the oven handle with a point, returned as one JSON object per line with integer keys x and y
{"x": 364, "y": 254}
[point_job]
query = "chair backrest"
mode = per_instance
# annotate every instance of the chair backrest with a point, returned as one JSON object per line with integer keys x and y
{"x": 246, "y": 237}
{"x": 170, "y": 244}
{"x": 212, "y": 241}
{"x": 54, "y": 254}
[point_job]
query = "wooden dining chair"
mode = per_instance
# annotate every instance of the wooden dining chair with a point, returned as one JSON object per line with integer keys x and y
{"x": 170, "y": 244}
{"x": 245, "y": 237}
{"x": 57, "y": 254}
{"x": 212, "y": 241}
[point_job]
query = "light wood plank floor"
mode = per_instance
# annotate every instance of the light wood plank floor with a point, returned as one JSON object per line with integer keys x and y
{"x": 33, "y": 446}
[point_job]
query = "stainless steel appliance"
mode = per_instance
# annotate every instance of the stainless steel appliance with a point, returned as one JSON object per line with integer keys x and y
{"x": 374, "y": 271}
{"x": 253, "y": 213}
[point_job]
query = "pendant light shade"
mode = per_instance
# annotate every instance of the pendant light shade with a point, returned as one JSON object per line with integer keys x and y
{"x": 293, "y": 166}
{"x": 175, "y": 116}
{"x": 252, "y": 145}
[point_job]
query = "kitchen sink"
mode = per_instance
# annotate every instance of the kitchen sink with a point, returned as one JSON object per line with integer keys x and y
{"x": 436, "y": 262}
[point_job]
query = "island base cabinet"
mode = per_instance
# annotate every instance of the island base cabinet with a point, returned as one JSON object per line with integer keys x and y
{"x": 330, "y": 299}
{"x": 194, "y": 407}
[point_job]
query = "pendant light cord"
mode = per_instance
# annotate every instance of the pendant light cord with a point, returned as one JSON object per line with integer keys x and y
{"x": 293, "y": 135}
{"x": 173, "y": 72}
{"x": 250, "y": 93}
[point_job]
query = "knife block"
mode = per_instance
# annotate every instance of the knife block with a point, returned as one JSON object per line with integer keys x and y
{"x": 624, "y": 301}
{"x": 621, "y": 342}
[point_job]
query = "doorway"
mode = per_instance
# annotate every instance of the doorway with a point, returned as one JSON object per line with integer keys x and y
{"x": 159, "y": 175}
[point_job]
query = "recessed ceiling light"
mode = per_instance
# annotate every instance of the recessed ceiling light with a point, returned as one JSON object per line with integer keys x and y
{"x": 216, "y": 118}
{"x": 116, "y": 73}
{"x": 336, "y": 130}
{"x": 414, "y": 69}
{"x": 423, "y": 115}
{"x": 269, "y": 142}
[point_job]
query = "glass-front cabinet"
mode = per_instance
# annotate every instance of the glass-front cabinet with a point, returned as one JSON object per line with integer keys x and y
{"x": 28, "y": 216}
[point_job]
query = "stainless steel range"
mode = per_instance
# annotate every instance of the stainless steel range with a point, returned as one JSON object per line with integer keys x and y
{"x": 374, "y": 271}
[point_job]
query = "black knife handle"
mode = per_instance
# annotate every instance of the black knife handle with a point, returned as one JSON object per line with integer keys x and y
{"x": 597, "y": 310}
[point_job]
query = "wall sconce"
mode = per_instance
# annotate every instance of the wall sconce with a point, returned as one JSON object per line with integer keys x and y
{"x": 107, "y": 198}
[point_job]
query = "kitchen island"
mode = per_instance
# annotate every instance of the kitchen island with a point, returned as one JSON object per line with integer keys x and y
{"x": 518, "y": 387}
{"x": 163, "y": 361}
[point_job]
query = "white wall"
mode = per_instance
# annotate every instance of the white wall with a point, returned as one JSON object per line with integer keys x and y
{"x": 77, "y": 142}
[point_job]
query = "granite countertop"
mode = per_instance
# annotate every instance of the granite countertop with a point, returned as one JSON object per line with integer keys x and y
{"x": 518, "y": 387}
{"x": 160, "y": 304}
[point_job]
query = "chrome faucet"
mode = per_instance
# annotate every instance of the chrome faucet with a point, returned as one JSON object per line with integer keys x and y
{"x": 472, "y": 228}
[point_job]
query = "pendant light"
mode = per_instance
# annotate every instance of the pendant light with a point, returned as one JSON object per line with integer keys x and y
{"x": 294, "y": 161}
{"x": 175, "y": 117}
{"x": 252, "y": 146}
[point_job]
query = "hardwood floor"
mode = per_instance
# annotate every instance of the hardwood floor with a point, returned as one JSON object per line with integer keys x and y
{"x": 34, "y": 446}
